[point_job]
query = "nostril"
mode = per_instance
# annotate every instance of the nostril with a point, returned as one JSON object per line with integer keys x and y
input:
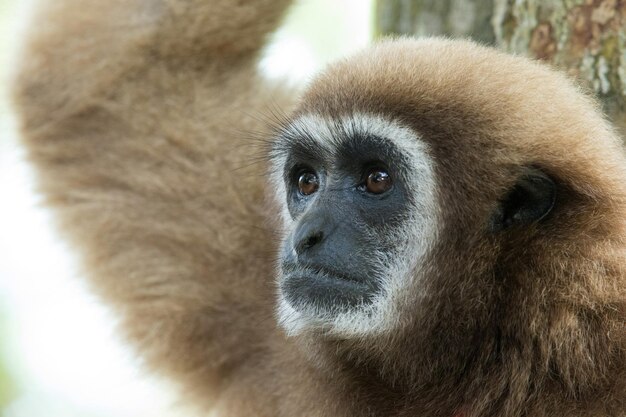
{"x": 314, "y": 240}
{"x": 310, "y": 241}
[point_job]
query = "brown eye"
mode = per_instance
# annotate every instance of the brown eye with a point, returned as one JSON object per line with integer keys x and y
{"x": 308, "y": 183}
{"x": 378, "y": 181}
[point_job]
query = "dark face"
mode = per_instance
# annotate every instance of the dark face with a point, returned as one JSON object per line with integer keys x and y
{"x": 344, "y": 200}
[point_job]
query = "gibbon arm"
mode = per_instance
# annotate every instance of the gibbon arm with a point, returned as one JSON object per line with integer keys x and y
{"x": 132, "y": 112}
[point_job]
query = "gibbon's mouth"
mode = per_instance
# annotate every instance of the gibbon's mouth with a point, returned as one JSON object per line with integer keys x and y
{"x": 317, "y": 287}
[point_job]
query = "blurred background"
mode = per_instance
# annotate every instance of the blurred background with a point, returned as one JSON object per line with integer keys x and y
{"x": 58, "y": 352}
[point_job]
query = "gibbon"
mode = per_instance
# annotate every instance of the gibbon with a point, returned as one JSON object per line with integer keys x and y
{"x": 439, "y": 229}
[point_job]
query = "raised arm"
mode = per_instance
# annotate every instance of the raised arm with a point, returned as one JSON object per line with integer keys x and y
{"x": 81, "y": 49}
{"x": 132, "y": 112}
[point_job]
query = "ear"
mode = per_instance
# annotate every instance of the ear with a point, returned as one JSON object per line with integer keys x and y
{"x": 529, "y": 200}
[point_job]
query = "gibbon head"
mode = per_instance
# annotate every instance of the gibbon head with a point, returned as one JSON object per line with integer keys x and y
{"x": 439, "y": 189}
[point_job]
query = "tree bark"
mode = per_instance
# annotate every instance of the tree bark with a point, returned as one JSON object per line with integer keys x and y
{"x": 458, "y": 18}
{"x": 586, "y": 38}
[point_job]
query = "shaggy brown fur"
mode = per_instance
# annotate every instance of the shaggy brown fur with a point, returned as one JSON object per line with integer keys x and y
{"x": 133, "y": 110}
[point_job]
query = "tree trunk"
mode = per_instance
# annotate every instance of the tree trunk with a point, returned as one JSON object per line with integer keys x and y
{"x": 458, "y": 18}
{"x": 586, "y": 38}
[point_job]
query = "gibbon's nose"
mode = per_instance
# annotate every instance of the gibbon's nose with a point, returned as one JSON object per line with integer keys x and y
{"x": 311, "y": 233}
{"x": 309, "y": 241}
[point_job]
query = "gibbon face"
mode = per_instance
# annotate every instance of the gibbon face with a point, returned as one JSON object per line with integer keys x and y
{"x": 360, "y": 207}
{"x": 408, "y": 173}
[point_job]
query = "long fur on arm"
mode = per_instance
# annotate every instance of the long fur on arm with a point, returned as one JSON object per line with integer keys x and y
{"x": 130, "y": 112}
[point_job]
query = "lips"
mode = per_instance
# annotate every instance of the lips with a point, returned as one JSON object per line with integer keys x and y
{"x": 320, "y": 272}
{"x": 306, "y": 286}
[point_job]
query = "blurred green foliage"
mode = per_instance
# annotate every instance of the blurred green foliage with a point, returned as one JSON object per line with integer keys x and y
{"x": 336, "y": 35}
{"x": 7, "y": 387}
